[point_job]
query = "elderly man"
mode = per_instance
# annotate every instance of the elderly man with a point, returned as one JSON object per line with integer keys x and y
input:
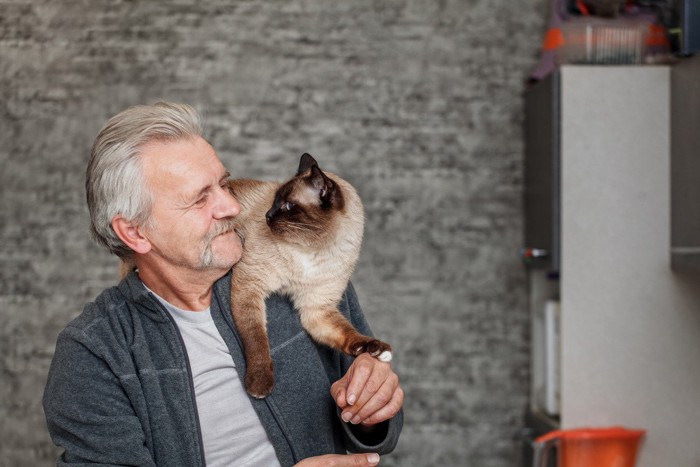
{"x": 150, "y": 373}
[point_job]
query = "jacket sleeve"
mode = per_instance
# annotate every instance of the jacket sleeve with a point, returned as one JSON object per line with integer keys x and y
{"x": 384, "y": 436}
{"x": 87, "y": 411}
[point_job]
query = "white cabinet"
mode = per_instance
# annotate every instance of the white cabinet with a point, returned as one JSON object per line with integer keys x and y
{"x": 630, "y": 326}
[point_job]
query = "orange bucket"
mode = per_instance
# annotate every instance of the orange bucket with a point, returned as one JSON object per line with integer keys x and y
{"x": 587, "y": 447}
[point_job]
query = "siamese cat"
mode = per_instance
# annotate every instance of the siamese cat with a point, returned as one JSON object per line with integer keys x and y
{"x": 302, "y": 239}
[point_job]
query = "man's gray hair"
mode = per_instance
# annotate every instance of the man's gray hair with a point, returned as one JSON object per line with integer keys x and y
{"x": 114, "y": 181}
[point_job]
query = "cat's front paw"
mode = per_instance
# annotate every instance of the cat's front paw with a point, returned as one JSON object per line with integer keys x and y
{"x": 376, "y": 348}
{"x": 259, "y": 383}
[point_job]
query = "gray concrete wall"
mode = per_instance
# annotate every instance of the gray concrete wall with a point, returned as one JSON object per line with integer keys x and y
{"x": 418, "y": 103}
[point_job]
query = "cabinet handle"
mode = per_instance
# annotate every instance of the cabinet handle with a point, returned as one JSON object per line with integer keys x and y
{"x": 530, "y": 254}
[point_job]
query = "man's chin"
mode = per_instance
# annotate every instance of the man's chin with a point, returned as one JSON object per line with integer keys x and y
{"x": 225, "y": 252}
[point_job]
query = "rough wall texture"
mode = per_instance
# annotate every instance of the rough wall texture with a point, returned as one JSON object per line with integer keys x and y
{"x": 417, "y": 103}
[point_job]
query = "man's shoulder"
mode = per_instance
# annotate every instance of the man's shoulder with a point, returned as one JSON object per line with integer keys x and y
{"x": 115, "y": 308}
{"x": 110, "y": 302}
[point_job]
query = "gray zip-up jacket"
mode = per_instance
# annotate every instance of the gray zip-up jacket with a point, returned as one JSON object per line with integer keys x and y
{"x": 120, "y": 389}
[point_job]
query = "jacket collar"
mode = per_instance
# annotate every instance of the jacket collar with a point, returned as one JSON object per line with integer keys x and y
{"x": 134, "y": 290}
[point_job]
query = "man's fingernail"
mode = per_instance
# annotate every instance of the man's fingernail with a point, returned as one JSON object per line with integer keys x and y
{"x": 355, "y": 420}
{"x": 373, "y": 458}
{"x": 346, "y": 416}
{"x": 351, "y": 399}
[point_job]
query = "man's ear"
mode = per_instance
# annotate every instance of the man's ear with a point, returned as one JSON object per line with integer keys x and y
{"x": 131, "y": 235}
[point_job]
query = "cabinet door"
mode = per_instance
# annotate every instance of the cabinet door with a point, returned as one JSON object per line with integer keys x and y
{"x": 685, "y": 164}
{"x": 542, "y": 151}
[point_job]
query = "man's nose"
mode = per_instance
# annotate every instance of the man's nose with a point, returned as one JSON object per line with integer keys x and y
{"x": 227, "y": 205}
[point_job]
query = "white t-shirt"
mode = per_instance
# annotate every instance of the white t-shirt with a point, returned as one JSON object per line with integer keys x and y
{"x": 231, "y": 430}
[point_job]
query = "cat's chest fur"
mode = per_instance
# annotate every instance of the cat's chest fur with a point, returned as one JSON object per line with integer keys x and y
{"x": 311, "y": 264}
{"x": 303, "y": 265}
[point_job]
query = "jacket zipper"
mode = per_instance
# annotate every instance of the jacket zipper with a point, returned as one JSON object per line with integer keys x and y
{"x": 190, "y": 379}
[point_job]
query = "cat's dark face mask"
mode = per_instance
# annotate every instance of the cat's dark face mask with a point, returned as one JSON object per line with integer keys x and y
{"x": 305, "y": 204}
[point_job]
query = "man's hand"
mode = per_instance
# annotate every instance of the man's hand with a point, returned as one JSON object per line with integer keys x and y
{"x": 369, "y": 392}
{"x": 340, "y": 460}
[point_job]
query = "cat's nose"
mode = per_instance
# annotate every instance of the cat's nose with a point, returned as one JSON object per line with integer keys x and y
{"x": 269, "y": 215}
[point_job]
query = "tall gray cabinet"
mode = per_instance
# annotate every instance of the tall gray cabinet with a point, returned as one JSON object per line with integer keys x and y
{"x": 685, "y": 164}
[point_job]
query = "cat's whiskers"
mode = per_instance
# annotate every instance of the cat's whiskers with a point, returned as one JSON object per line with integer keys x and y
{"x": 299, "y": 226}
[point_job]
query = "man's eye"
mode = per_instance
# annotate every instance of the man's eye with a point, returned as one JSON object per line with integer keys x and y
{"x": 201, "y": 201}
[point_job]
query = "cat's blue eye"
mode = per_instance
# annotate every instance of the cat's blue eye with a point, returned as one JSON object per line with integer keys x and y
{"x": 287, "y": 206}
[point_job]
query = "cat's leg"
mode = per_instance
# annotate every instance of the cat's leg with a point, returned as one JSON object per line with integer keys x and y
{"x": 328, "y": 326}
{"x": 248, "y": 309}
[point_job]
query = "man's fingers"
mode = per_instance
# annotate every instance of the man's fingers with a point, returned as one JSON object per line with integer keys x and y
{"x": 338, "y": 392}
{"x": 341, "y": 460}
{"x": 357, "y": 460}
{"x": 388, "y": 411}
{"x": 361, "y": 369}
{"x": 378, "y": 386}
{"x": 372, "y": 400}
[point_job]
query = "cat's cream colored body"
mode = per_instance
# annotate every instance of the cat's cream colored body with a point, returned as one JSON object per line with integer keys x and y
{"x": 314, "y": 276}
{"x": 301, "y": 238}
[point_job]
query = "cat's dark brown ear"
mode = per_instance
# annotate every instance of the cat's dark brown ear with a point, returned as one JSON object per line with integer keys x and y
{"x": 319, "y": 181}
{"x": 306, "y": 162}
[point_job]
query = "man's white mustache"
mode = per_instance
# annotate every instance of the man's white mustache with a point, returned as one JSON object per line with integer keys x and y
{"x": 224, "y": 226}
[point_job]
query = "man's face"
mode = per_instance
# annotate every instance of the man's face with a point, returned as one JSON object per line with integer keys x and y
{"x": 192, "y": 209}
